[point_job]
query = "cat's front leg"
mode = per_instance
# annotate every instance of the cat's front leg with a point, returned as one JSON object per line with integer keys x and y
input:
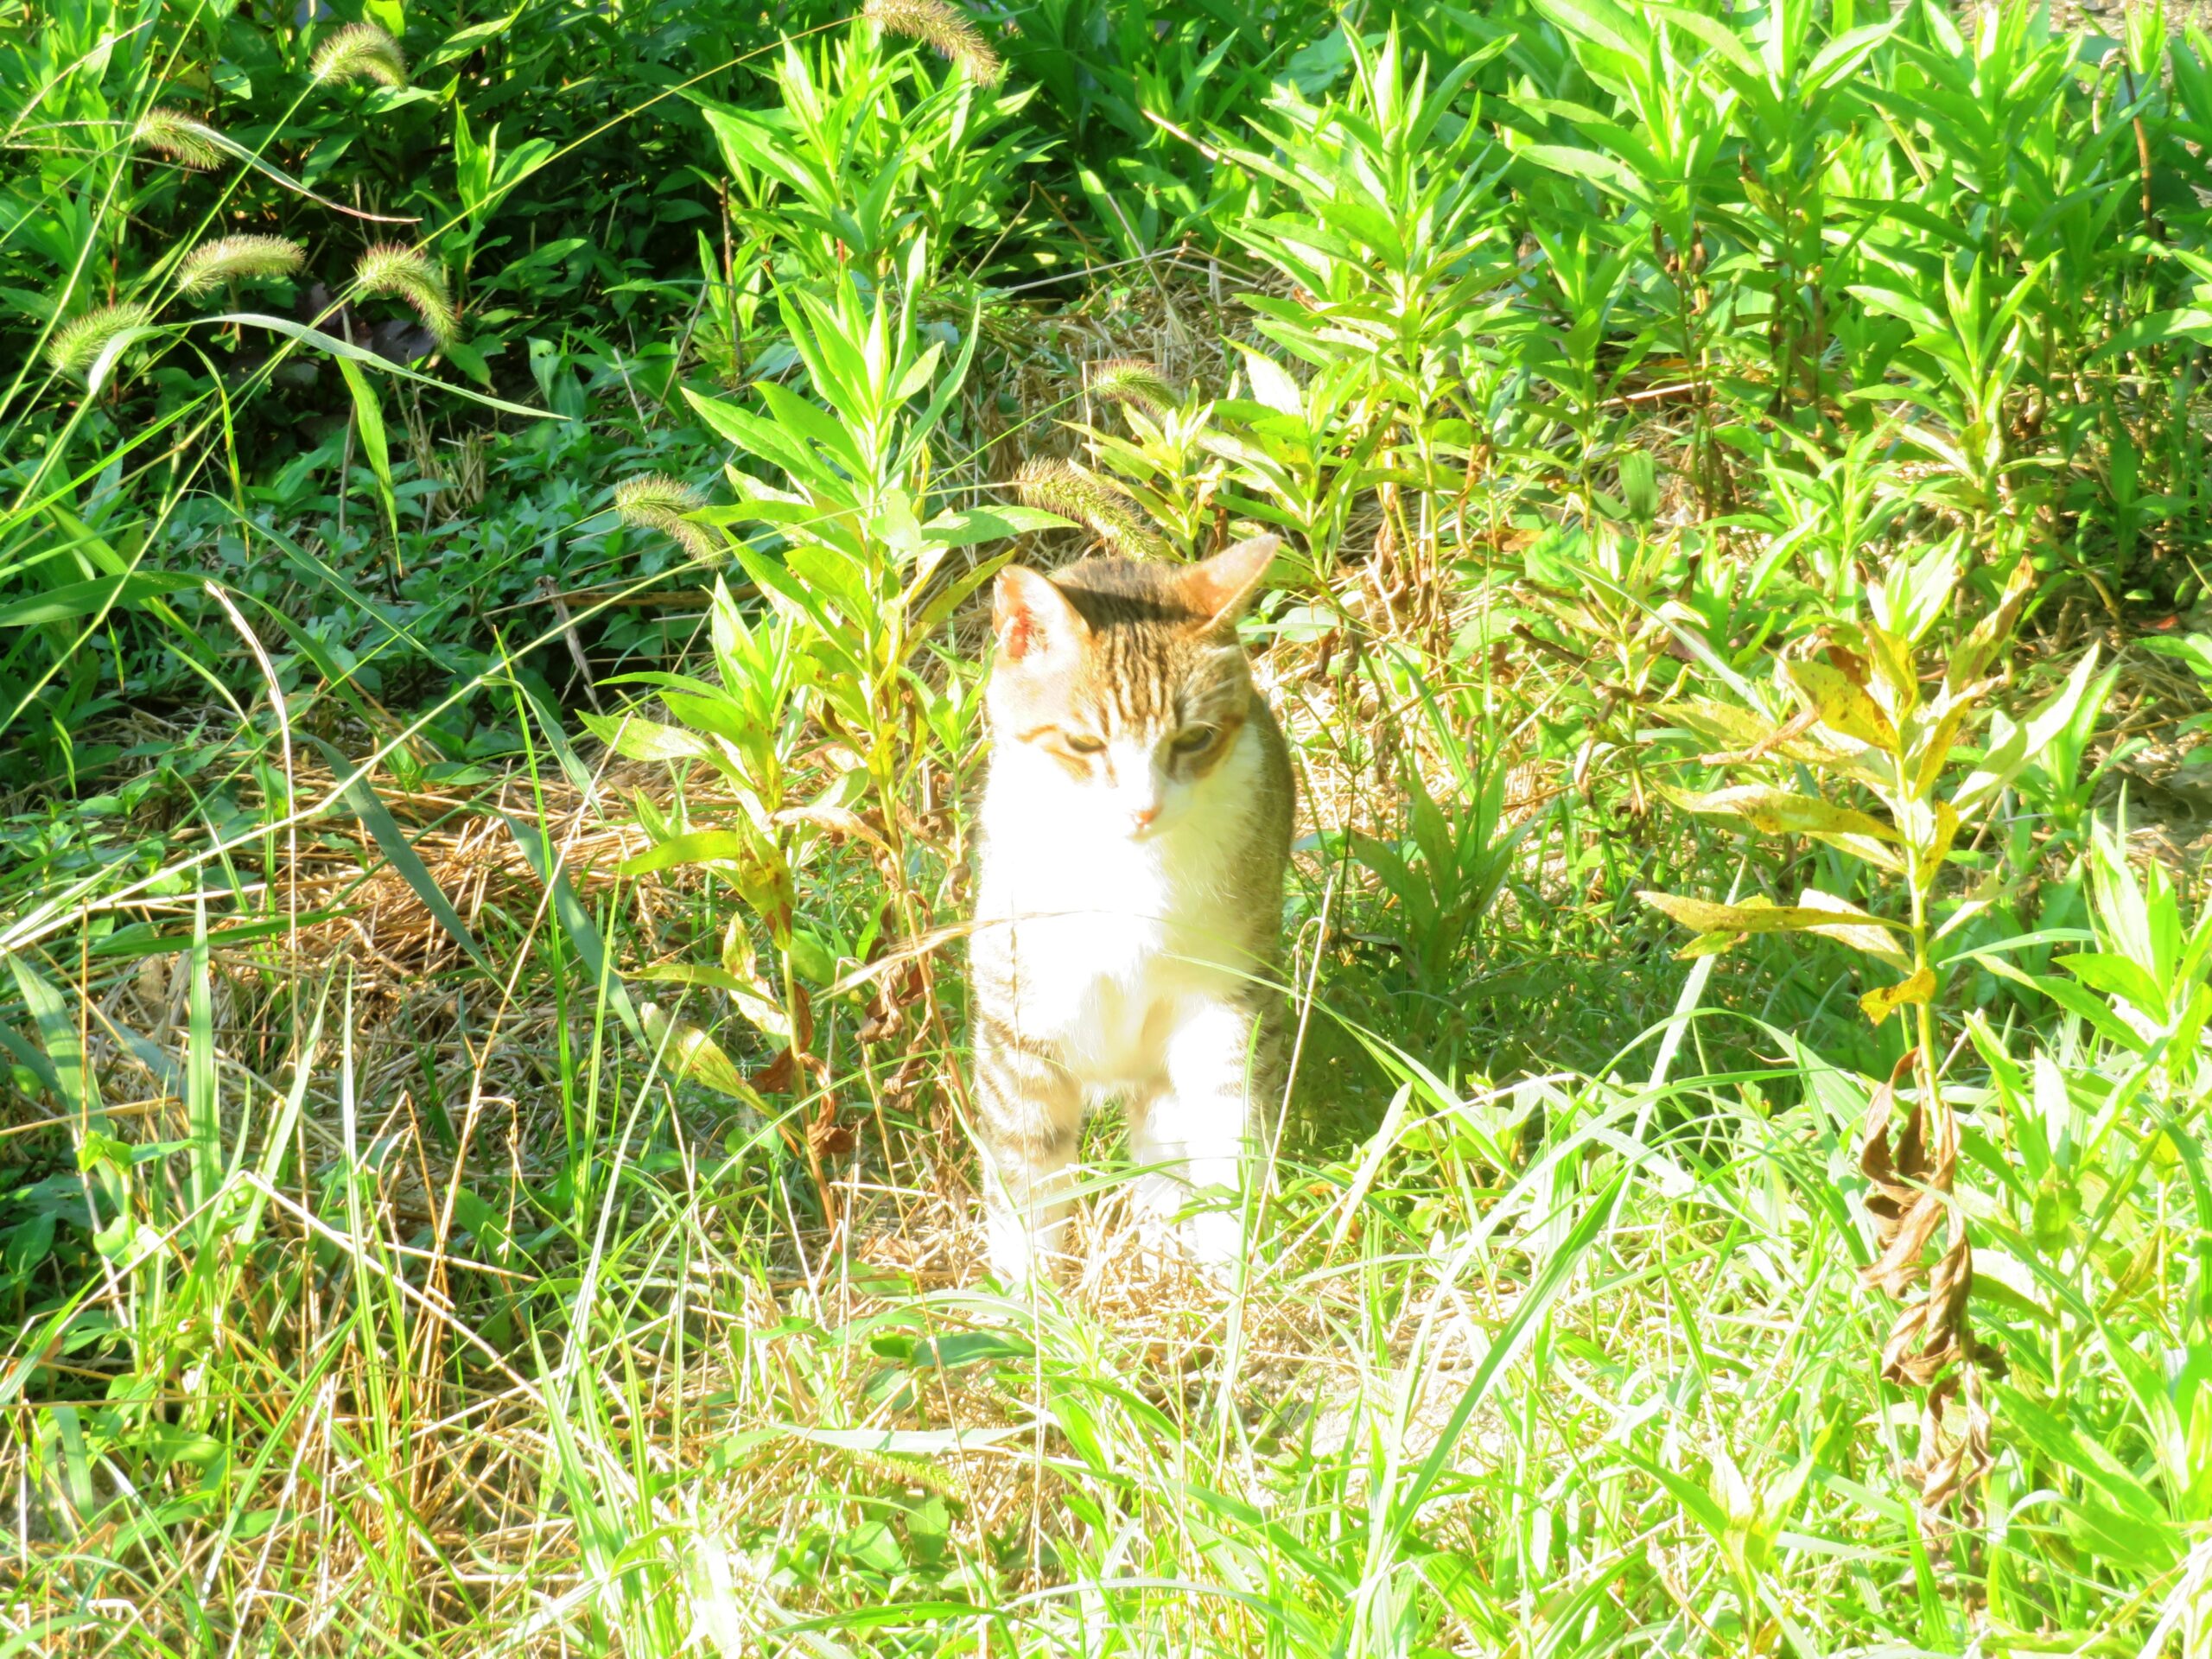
{"x": 1029, "y": 1114}
{"x": 1195, "y": 1134}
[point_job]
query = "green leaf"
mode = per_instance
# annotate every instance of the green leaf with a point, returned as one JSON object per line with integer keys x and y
{"x": 1601, "y": 22}
{"x": 78, "y": 1090}
{"x": 583, "y": 933}
{"x": 690, "y": 1053}
{"x": 637, "y": 739}
{"x": 1607, "y": 172}
{"x": 990, "y": 524}
{"x": 368, "y": 416}
{"x": 346, "y": 351}
{"x": 752, "y": 998}
{"x": 202, "y": 1106}
{"x": 1530, "y": 1307}
{"x": 2189, "y": 322}
{"x": 400, "y": 853}
{"x": 2118, "y": 976}
{"x": 693, "y": 846}
{"x": 2012, "y": 747}
{"x": 94, "y": 598}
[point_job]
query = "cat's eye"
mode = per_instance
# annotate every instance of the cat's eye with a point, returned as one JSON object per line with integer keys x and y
{"x": 1079, "y": 743}
{"x": 1194, "y": 739}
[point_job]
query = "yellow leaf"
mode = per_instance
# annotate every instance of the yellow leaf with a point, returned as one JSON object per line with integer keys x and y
{"x": 1785, "y": 812}
{"x": 1782, "y": 812}
{"x": 1819, "y": 912}
{"x": 1980, "y": 646}
{"x": 1725, "y": 726}
{"x": 1710, "y": 944}
{"x": 1843, "y": 706}
{"x": 1947, "y": 831}
{"x": 1936, "y": 748}
{"x": 1885, "y": 1001}
{"x": 1852, "y": 926}
{"x": 1893, "y": 661}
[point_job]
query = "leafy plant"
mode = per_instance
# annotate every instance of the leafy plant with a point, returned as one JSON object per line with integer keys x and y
{"x": 1864, "y": 722}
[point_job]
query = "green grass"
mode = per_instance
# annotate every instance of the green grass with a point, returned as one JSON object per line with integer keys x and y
{"x": 482, "y": 1165}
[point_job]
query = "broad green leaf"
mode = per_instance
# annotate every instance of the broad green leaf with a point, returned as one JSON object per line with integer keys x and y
{"x": 368, "y": 417}
{"x": 1607, "y": 172}
{"x": 752, "y": 998}
{"x": 636, "y": 739}
{"x": 693, "y": 846}
{"x": 2189, "y": 322}
{"x": 2010, "y": 747}
{"x": 2118, "y": 976}
{"x": 1600, "y": 23}
{"x": 966, "y": 528}
{"x": 690, "y": 1053}
{"x": 94, "y": 598}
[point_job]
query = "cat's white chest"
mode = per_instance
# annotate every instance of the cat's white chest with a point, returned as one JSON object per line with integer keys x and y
{"x": 1106, "y": 938}
{"x": 1088, "y": 937}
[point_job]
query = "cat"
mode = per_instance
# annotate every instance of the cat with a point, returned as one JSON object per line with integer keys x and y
{"x": 1136, "y": 829}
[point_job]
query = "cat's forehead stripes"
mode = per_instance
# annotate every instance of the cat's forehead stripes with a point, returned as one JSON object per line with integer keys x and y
{"x": 1112, "y": 659}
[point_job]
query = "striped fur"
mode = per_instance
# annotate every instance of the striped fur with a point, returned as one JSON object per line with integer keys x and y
{"x": 1135, "y": 829}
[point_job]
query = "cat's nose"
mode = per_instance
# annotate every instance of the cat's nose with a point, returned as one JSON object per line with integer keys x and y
{"x": 1140, "y": 817}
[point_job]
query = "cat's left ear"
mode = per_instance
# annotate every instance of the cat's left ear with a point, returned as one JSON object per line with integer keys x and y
{"x": 1220, "y": 588}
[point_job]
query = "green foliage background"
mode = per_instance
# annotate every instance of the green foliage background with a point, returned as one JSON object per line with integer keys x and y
{"x": 488, "y": 675}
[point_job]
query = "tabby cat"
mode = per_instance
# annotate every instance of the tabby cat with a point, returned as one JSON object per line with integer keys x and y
{"x": 1135, "y": 832}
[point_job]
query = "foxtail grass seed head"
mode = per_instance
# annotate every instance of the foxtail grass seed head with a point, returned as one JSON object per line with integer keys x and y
{"x": 654, "y": 501}
{"x": 937, "y": 24}
{"x": 77, "y": 344}
{"x": 177, "y": 136}
{"x": 1058, "y": 487}
{"x": 1132, "y": 380}
{"x": 237, "y": 259}
{"x": 407, "y": 273}
{"x": 361, "y": 52}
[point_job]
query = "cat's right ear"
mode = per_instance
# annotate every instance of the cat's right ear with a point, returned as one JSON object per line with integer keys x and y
{"x": 1031, "y": 618}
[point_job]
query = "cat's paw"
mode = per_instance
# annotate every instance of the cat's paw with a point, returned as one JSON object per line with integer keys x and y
{"x": 1209, "y": 1244}
{"x": 1019, "y": 1259}
{"x": 1214, "y": 1239}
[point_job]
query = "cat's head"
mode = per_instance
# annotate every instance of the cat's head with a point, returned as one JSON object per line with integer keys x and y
{"x": 1125, "y": 679}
